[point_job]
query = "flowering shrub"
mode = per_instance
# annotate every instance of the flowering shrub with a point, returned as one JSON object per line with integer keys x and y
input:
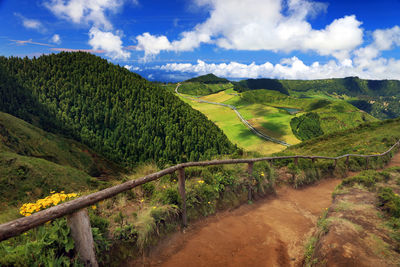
{"x": 53, "y": 200}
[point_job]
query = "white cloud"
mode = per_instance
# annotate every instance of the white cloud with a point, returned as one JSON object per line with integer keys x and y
{"x": 91, "y": 12}
{"x": 262, "y": 25}
{"x": 56, "y": 39}
{"x": 132, "y": 68}
{"x": 292, "y": 68}
{"x": 107, "y": 41}
{"x": 33, "y": 24}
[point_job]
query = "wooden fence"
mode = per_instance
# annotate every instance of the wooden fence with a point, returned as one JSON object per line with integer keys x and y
{"x": 78, "y": 219}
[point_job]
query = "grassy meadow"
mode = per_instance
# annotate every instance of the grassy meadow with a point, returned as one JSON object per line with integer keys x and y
{"x": 271, "y": 112}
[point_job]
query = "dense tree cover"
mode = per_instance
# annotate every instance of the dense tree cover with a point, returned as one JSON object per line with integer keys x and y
{"x": 306, "y": 126}
{"x": 208, "y": 79}
{"x": 253, "y": 84}
{"x": 115, "y": 112}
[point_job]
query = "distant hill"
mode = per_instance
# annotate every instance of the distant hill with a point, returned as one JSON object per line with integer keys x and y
{"x": 380, "y": 98}
{"x": 208, "y": 79}
{"x": 253, "y": 84}
{"x": 113, "y": 111}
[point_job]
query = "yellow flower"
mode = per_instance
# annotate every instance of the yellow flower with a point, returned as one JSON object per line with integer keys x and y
{"x": 94, "y": 207}
{"x": 209, "y": 202}
{"x": 154, "y": 207}
{"x": 142, "y": 200}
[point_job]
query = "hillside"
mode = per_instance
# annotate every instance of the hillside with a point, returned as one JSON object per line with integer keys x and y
{"x": 115, "y": 112}
{"x": 377, "y": 97}
{"x": 271, "y": 112}
{"x": 208, "y": 79}
{"x": 34, "y": 162}
{"x": 364, "y": 139}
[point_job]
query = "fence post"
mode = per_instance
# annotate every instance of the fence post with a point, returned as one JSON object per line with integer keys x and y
{"x": 334, "y": 164}
{"x": 182, "y": 192}
{"x": 296, "y": 161}
{"x": 250, "y": 173}
{"x": 81, "y": 232}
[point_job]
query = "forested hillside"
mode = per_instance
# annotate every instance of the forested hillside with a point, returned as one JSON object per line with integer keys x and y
{"x": 208, "y": 79}
{"x": 113, "y": 111}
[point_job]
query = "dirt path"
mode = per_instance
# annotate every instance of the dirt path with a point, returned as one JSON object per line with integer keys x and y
{"x": 271, "y": 232}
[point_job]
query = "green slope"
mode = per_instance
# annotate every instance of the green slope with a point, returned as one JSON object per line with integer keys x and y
{"x": 366, "y": 138}
{"x": 115, "y": 112}
{"x": 34, "y": 162}
{"x": 208, "y": 79}
{"x": 25, "y": 139}
{"x": 380, "y": 98}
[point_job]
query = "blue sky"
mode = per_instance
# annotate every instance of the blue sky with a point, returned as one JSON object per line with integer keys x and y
{"x": 176, "y": 39}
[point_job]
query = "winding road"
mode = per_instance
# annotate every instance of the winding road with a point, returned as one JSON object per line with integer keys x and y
{"x": 245, "y": 122}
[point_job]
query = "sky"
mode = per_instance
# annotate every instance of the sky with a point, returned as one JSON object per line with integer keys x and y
{"x": 177, "y": 39}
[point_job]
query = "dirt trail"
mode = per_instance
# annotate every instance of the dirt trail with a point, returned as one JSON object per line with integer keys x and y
{"x": 271, "y": 232}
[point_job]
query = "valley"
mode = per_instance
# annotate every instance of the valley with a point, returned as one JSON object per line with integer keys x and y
{"x": 64, "y": 131}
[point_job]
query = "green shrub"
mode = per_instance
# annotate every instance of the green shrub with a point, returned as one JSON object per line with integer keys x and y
{"x": 389, "y": 201}
{"x": 366, "y": 178}
{"x": 148, "y": 189}
{"x": 306, "y": 126}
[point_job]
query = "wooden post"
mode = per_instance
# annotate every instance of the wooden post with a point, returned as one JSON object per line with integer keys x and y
{"x": 182, "y": 192}
{"x": 366, "y": 163}
{"x": 81, "y": 232}
{"x": 334, "y": 164}
{"x": 250, "y": 173}
{"x": 296, "y": 161}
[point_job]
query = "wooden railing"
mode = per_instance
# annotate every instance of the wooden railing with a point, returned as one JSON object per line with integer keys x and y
{"x": 78, "y": 219}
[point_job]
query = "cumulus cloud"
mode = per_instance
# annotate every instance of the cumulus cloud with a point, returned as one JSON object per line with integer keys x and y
{"x": 32, "y": 24}
{"x": 132, "y": 68}
{"x": 56, "y": 39}
{"x": 93, "y": 13}
{"x": 273, "y": 25}
{"x": 291, "y": 68}
{"x": 107, "y": 41}
{"x": 90, "y": 12}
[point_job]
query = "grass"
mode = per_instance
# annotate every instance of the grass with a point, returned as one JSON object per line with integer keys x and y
{"x": 25, "y": 178}
{"x": 263, "y": 109}
{"x": 234, "y": 129}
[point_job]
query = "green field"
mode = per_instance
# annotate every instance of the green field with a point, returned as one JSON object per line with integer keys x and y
{"x": 267, "y": 111}
{"x": 235, "y": 130}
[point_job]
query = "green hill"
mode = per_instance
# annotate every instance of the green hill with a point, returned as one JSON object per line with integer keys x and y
{"x": 380, "y": 98}
{"x": 115, "y": 112}
{"x": 33, "y": 162}
{"x": 366, "y": 138}
{"x": 208, "y": 79}
{"x": 202, "y": 89}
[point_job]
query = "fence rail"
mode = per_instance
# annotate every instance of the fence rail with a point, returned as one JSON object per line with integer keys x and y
{"x": 73, "y": 208}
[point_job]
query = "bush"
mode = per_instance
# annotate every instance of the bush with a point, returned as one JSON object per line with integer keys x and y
{"x": 389, "y": 202}
{"x": 306, "y": 126}
{"x": 366, "y": 178}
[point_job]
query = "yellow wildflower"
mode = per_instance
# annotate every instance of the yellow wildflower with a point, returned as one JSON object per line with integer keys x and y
{"x": 94, "y": 207}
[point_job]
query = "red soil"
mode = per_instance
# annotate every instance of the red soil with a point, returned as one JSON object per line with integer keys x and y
{"x": 271, "y": 232}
